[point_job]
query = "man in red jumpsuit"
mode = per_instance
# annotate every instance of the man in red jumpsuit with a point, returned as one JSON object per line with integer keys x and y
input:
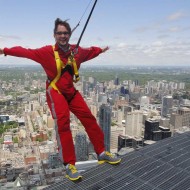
{"x": 63, "y": 97}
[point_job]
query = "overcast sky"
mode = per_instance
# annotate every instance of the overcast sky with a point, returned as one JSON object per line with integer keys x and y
{"x": 139, "y": 32}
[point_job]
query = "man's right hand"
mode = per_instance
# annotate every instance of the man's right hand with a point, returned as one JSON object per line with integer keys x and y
{"x": 1, "y": 51}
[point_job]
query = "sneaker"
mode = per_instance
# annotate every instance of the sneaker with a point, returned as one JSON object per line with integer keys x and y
{"x": 109, "y": 158}
{"x": 72, "y": 173}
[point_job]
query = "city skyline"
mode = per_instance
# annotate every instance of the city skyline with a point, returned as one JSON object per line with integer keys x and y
{"x": 131, "y": 119}
{"x": 138, "y": 32}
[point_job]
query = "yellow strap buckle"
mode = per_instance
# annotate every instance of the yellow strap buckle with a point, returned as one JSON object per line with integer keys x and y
{"x": 59, "y": 64}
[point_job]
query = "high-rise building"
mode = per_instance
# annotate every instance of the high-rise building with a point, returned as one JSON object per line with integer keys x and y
{"x": 181, "y": 85}
{"x": 81, "y": 146}
{"x": 167, "y": 104}
{"x": 115, "y": 132}
{"x": 155, "y": 132}
{"x": 100, "y": 88}
{"x": 122, "y": 90}
{"x": 85, "y": 87}
{"x": 116, "y": 81}
{"x": 133, "y": 124}
{"x": 164, "y": 122}
{"x": 136, "y": 82}
{"x": 185, "y": 113}
{"x": 152, "y": 130}
{"x": 120, "y": 116}
{"x": 4, "y": 118}
{"x": 144, "y": 102}
{"x": 93, "y": 109}
{"x": 105, "y": 124}
{"x": 175, "y": 122}
{"x": 90, "y": 147}
{"x": 54, "y": 161}
{"x": 102, "y": 98}
{"x": 92, "y": 81}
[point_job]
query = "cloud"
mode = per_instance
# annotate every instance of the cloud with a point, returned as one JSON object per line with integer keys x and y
{"x": 175, "y": 29}
{"x": 116, "y": 37}
{"x": 6, "y": 37}
{"x": 160, "y": 26}
{"x": 99, "y": 39}
{"x": 176, "y": 16}
{"x": 122, "y": 45}
{"x": 142, "y": 29}
{"x": 151, "y": 27}
{"x": 186, "y": 28}
{"x": 164, "y": 36}
{"x": 157, "y": 52}
{"x": 10, "y": 37}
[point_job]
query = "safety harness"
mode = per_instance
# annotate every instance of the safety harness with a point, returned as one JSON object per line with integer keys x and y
{"x": 61, "y": 68}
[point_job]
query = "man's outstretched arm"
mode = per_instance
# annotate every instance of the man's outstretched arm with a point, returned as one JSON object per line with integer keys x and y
{"x": 1, "y": 51}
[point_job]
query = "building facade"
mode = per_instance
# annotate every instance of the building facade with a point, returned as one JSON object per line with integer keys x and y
{"x": 105, "y": 124}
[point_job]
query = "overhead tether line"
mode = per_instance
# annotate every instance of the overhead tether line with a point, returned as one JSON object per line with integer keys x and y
{"x": 82, "y": 16}
{"x": 71, "y": 59}
{"x": 76, "y": 48}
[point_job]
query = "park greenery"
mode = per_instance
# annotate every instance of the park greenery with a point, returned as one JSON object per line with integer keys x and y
{"x": 21, "y": 74}
{"x": 7, "y": 126}
{"x": 142, "y": 74}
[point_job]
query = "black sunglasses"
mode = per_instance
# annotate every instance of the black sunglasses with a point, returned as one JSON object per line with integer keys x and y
{"x": 60, "y": 33}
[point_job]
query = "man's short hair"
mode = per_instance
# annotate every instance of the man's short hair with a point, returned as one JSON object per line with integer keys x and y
{"x": 58, "y": 21}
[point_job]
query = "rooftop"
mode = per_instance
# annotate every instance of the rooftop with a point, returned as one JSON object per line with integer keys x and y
{"x": 164, "y": 165}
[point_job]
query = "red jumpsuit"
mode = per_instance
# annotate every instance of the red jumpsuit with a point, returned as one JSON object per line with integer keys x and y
{"x": 70, "y": 99}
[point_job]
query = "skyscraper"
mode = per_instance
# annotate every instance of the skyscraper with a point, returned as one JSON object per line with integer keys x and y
{"x": 185, "y": 113}
{"x": 81, "y": 146}
{"x": 167, "y": 103}
{"x": 136, "y": 82}
{"x": 116, "y": 81}
{"x": 105, "y": 124}
{"x": 85, "y": 87}
{"x": 144, "y": 102}
{"x": 133, "y": 124}
{"x": 176, "y": 121}
{"x": 54, "y": 161}
{"x": 152, "y": 130}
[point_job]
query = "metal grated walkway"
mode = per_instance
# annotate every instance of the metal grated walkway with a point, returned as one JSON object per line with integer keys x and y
{"x": 164, "y": 165}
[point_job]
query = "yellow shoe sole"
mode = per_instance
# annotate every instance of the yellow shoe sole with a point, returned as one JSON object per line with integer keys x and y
{"x": 103, "y": 161}
{"x": 74, "y": 179}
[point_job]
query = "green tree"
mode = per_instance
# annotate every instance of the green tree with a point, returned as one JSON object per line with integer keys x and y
{"x": 1, "y": 140}
{"x": 39, "y": 139}
{"x": 113, "y": 123}
{"x": 14, "y": 131}
{"x": 15, "y": 125}
{"x": 1, "y": 130}
{"x": 49, "y": 134}
{"x": 15, "y": 140}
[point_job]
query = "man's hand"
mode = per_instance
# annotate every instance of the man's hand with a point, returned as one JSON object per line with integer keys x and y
{"x": 1, "y": 51}
{"x": 105, "y": 49}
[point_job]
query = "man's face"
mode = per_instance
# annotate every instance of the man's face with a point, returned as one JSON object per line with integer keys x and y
{"x": 62, "y": 35}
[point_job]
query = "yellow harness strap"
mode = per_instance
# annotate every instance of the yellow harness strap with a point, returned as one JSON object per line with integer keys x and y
{"x": 72, "y": 61}
{"x": 60, "y": 66}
